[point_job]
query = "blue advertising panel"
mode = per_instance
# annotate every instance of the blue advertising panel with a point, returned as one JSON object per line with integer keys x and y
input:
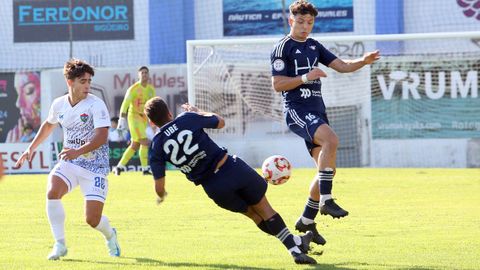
{"x": 425, "y": 99}
{"x": 49, "y": 20}
{"x": 265, "y": 17}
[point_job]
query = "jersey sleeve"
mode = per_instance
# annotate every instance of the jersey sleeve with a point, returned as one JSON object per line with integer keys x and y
{"x": 326, "y": 57}
{"x": 127, "y": 100}
{"x": 157, "y": 162}
{"x": 197, "y": 121}
{"x": 100, "y": 115}
{"x": 52, "y": 114}
{"x": 278, "y": 59}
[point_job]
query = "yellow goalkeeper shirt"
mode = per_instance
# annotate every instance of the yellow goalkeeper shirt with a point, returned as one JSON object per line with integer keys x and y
{"x": 136, "y": 97}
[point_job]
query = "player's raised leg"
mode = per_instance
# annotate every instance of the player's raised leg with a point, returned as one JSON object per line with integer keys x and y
{"x": 95, "y": 191}
{"x": 327, "y": 138}
{"x": 94, "y": 217}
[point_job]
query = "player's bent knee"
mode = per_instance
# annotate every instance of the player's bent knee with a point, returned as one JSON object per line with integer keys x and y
{"x": 56, "y": 188}
{"x": 93, "y": 220}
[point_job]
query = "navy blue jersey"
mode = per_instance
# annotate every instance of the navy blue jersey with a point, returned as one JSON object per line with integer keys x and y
{"x": 293, "y": 58}
{"x": 184, "y": 143}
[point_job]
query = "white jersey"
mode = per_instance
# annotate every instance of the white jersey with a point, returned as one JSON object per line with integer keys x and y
{"x": 79, "y": 123}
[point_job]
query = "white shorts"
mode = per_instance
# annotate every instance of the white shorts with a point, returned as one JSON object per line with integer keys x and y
{"x": 94, "y": 186}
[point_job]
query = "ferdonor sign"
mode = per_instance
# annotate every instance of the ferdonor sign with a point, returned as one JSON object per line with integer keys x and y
{"x": 49, "y": 20}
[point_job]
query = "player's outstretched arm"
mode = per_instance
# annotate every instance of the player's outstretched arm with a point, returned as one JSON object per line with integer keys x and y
{"x": 122, "y": 118}
{"x": 190, "y": 108}
{"x": 100, "y": 138}
{"x": 160, "y": 189}
{"x": 345, "y": 66}
{"x": 45, "y": 130}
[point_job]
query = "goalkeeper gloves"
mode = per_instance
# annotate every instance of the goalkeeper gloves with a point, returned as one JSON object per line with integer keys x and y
{"x": 122, "y": 123}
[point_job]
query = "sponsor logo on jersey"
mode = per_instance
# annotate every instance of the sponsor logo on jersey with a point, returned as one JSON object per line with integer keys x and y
{"x": 278, "y": 65}
{"x": 77, "y": 141}
{"x": 84, "y": 117}
{"x": 313, "y": 47}
{"x": 298, "y": 51}
{"x": 306, "y": 93}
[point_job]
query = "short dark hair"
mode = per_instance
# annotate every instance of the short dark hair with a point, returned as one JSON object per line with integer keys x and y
{"x": 303, "y": 7}
{"x": 143, "y": 67}
{"x": 157, "y": 111}
{"x": 75, "y": 68}
{"x": 114, "y": 119}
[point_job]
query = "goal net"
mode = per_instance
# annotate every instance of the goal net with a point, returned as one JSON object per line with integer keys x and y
{"x": 401, "y": 97}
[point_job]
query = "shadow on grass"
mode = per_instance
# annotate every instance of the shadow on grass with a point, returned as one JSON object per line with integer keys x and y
{"x": 389, "y": 266}
{"x": 153, "y": 262}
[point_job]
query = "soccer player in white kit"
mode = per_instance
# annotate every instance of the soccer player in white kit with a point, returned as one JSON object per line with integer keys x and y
{"x": 84, "y": 159}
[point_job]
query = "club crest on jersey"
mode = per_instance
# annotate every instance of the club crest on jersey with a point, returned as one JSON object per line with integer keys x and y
{"x": 84, "y": 117}
{"x": 278, "y": 65}
{"x": 313, "y": 47}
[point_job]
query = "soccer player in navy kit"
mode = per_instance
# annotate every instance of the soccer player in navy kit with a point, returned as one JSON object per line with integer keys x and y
{"x": 227, "y": 180}
{"x": 295, "y": 73}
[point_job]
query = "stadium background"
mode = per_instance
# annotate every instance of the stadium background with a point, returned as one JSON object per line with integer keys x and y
{"x": 126, "y": 34}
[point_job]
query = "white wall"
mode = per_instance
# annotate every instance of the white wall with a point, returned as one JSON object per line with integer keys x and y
{"x": 449, "y": 153}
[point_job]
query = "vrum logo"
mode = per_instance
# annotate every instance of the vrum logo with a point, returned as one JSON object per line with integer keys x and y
{"x": 471, "y": 8}
{"x": 411, "y": 81}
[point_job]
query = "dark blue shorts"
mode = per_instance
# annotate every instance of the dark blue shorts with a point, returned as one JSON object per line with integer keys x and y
{"x": 304, "y": 124}
{"x": 235, "y": 186}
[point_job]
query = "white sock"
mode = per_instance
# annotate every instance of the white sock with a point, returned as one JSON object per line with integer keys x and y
{"x": 297, "y": 240}
{"x": 104, "y": 227}
{"x": 324, "y": 197}
{"x": 306, "y": 221}
{"x": 56, "y": 217}
{"x": 294, "y": 249}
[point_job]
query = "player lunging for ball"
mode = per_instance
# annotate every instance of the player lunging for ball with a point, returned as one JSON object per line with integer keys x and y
{"x": 84, "y": 159}
{"x": 227, "y": 180}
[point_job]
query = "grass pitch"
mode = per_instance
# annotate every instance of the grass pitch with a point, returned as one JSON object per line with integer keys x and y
{"x": 418, "y": 219}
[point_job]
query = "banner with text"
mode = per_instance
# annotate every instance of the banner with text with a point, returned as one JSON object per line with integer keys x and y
{"x": 50, "y": 20}
{"x": 425, "y": 99}
{"x": 265, "y": 17}
{"x": 11, "y": 152}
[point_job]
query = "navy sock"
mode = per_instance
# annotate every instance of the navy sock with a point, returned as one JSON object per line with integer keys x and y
{"x": 278, "y": 228}
{"x": 325, "y": 182}
{"x": 263, "y": 226}
{"x": 311, "y": 209}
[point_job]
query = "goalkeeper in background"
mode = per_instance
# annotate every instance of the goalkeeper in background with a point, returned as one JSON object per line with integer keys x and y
{"x": 295, "y": 73}
{"x": 134, "y": 103}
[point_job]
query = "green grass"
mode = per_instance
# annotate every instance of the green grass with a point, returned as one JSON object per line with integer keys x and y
{"x": 399, "y": 219}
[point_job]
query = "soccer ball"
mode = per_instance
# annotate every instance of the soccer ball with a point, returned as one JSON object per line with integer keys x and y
{"x": 276, "y": 170}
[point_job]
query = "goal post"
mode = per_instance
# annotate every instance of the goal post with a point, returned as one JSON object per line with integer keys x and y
{"x": 372, "y": 110}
